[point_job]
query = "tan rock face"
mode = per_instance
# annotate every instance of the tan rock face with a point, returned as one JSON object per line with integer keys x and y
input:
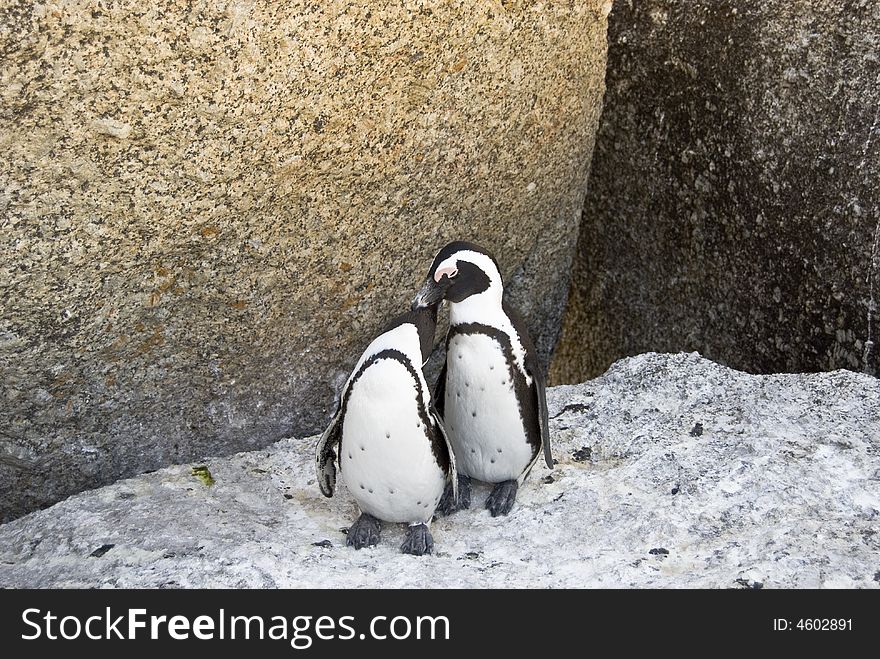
{"x": 208, "y": 208}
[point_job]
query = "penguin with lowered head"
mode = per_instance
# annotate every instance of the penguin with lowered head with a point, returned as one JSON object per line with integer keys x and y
{"x": 491, "y": 391}
{"x": 392, "y": 450}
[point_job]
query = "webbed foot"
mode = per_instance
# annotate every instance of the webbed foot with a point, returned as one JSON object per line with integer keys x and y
{"x": 418, "y": 541}
{"x": 502, "y": 498}
{"x": 364, "y": 532}
{"x": 448, "y": 504}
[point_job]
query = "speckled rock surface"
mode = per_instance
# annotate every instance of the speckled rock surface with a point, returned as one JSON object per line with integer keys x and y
{"x": 733, "y": 205}
{"x": 672, "y": 471}
{"x": 209, "y": 207}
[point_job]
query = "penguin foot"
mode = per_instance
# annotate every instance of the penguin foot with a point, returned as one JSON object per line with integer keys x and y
{"x": 364, "y": 532}
{"x": 501, "y": 499}
{"x": 448, "y": 504}
{"x": 418, "y": 541}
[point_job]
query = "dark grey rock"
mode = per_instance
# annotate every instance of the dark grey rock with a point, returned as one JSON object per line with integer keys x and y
{"x": 732, "y": 206}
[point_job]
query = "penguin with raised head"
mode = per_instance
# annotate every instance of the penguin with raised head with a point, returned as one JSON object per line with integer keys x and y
{"x": 393, "y": 453}
{"x": 491, "y": 392}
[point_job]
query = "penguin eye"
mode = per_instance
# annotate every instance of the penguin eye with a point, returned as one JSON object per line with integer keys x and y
{"x": 449, "y": 272}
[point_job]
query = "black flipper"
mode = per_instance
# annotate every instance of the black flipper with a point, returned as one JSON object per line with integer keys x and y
{"x": 538, "y": 388}
{"x": 540, "y": 392}
{"x": 453, "y": 472}
{"x": 436, "y": 412}
{"x": 440, "y": 392}
{"x": 325, "y": 455}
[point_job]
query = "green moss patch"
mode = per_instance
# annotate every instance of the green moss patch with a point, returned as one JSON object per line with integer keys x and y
{"x": 203, "y": 474}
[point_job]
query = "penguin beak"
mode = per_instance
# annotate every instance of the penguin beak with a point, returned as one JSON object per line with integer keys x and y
{"x": 431, "y": 293}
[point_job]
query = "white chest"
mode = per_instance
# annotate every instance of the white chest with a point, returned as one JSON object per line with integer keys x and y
{"x": 481, "y": 412}
{"x": 387, "y": 461}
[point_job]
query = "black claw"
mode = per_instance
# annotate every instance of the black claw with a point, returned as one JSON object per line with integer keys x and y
{"x": 364, "y": 532}
{"x": 418, "y": 541}
{"x": 448, "y": 504}
{"x": 502, "y": 498}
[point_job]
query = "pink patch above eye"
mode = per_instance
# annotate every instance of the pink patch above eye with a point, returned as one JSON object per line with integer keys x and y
{"x": 448, "y": 271}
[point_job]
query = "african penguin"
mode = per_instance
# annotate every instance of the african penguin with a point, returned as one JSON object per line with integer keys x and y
{"x": 393, "y": 454}
{"x": 490, "y": 394}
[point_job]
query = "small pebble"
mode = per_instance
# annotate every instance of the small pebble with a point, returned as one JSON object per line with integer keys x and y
{"x": 100, "y": 551}
{"x": 583, "y": 454}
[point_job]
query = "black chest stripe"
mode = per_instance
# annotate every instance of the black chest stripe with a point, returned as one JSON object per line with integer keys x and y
{"x": 438, "y": 445}
{"x": 525, "y": 394}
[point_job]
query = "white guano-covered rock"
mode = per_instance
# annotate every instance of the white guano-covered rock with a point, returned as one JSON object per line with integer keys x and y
{"x": 673, "y": 472}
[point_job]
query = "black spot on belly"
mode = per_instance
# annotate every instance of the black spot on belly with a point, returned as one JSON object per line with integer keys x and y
{"x": 474, "y": 414}
{"x": 492, "y": 460}
{"x": 491, "y": 368}
{"x": 499, "y": 450}
{"x": 362, "y": 448}
{"x": 387, "y": 435}
{"x": 370, "y": 490}
{"x": 362, "y": 486}
{"x": 390, "y": 491}
{"x": 349, "y": 456}
{"x": 418, "y": 503}
{"x": 473, "y": 450}
{"x": 504, "y": 382}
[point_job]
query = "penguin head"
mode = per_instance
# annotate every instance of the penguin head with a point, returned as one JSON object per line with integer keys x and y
{"x": 424, "y": 319}
{"x": 460, "y": 270}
